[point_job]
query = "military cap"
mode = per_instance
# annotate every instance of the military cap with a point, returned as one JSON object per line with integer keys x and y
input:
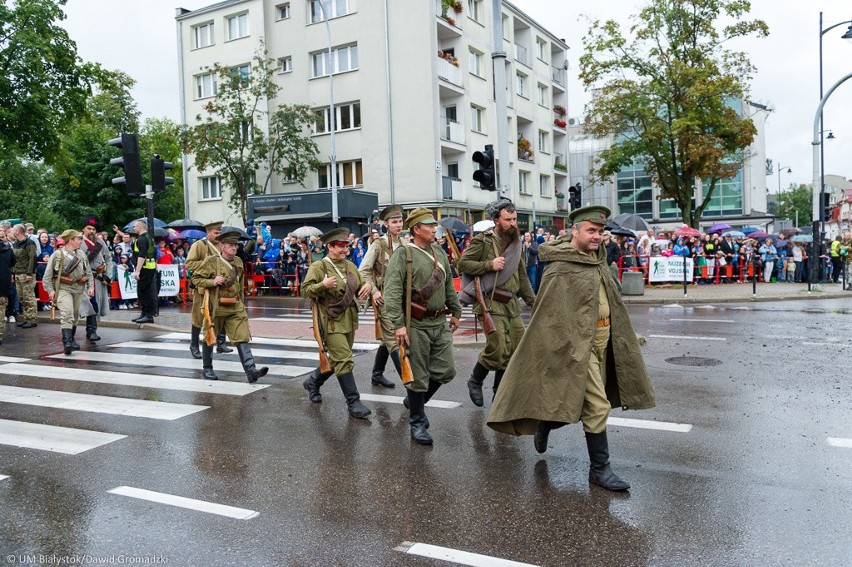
{"x": 69, "y": 234}
{"x": 420, "y": 215}
{"x": 215, "y": 225}
{"x": 230, "y": 237}
{"x": 597, "y": 214}
{"x": 92, "y": 220}
{"x": 391, "y": 212}
{"x": 494, "y": 208}
{"x": 340, "y": 233}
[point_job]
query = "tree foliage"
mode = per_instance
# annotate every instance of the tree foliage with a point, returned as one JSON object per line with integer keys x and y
{"x": 238, "y": 137}
{"x": 669, "y": 91}
{"x": 796, "y": 199}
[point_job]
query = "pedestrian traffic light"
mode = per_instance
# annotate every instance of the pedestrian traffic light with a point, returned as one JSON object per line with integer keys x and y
{"x": 129, "y": 162}
{"x": 825, "y": 206}
{"x": 485, "y": 175}
{"x": 159, "y": 181}
{"x": 574, "y": 197}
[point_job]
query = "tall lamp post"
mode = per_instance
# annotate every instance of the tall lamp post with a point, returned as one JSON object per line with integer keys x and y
{"x": 780, "y": 167}
{"x": 332, "y": 158}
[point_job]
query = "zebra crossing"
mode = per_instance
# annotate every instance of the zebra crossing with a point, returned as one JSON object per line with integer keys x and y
{"x": 157, "y": 365}
{"x": 365, "y": 317}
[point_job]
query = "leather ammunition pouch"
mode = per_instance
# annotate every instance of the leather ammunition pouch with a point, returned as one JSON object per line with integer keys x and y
{"x": 67, "y": 280}
{"x": 227, "y": 301}
{"x": 502, "y": 296}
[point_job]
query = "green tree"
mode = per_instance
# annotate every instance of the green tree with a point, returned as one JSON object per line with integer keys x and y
{"x": 667, "y": 91}
{"x": 796, "y": 200}
{"x": 161, "y": 136}
{"x": 238, "y": 137}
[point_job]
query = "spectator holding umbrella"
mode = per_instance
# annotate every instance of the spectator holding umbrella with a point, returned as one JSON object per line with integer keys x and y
{"x": 768, "y": 254}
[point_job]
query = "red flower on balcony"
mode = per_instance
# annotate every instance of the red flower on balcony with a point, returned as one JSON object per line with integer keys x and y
{"x": 560, "y": 123}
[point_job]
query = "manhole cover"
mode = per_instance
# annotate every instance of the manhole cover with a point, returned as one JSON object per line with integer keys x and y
{"x": 693, "y": 361}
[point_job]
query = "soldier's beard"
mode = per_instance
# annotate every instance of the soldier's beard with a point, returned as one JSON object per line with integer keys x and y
{"x": 508, "y": 235}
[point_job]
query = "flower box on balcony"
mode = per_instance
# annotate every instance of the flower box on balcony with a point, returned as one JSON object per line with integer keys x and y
{"x": 559, "y": 109}
{"x": 560, "y": 195}
{"x": 448, "y": 57}
{"x": 560, "y": 166}
{"x": 560, "y": 123}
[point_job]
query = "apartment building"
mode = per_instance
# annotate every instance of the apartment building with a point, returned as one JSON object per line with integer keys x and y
{"x": 413, "y": 99}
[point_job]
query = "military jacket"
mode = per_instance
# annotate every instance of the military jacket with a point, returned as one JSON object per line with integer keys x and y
{"x": 234, "y": 274}
{"x": 25, "y": 255}
{"x": 57, "y": 265}
{"x": 313, "y": 288}
{"x": 375, "y": 262}
{"x": 198, "y": 252}
{"x": 102, "y": 258}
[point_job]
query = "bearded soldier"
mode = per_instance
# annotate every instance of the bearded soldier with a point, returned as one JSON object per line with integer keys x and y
{"x": 100, "y": 262}
{"x": 333, "y": 284}
{"x": 67, "y": 278}
{"x": 496, "y": 258}
{"x": 221, "y": 279}
{"x": 419, "y": 294}
{"x": 372, "y": 269}
{"x": 198, "y": 252}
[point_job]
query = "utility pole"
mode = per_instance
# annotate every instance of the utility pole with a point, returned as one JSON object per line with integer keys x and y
{"x": 498, "y": 59}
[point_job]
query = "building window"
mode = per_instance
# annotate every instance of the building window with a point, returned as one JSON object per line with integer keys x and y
{"x": 633, "y": 192}
{"x": 285, "y": 64}
{"x": 727, "y": 198}
{"x": 241, "y": 73}
{"x": 476, "y": 118}
{"x": 209, "y": 188}
{"x": 203, "y": 35}
{"x": 544, "y": 186}
{"x": 541, "y": 95}
{"x": 342, "y": 59}
{"x": 475, "y": 62}
{"x": 474, "y": 10}
{"x": 524, "y": 182}
{"x": 282, "y": 11}
{"x": 346, "y": 117}
{"x": 522, "y": 84}
{"x": 349, "y": 174}
{"x": 237, "y": 26}
{"x": 543, "y": 142}
{"x": 506, "y": 33}
{"x": 205, "y": 85}
{"x": 541, "y": 49}
{"x": 334, "y": 9}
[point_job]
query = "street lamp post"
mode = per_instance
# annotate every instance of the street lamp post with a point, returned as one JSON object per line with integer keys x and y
{"x": 332, "y": 158}
{"x": 780, "y": 167}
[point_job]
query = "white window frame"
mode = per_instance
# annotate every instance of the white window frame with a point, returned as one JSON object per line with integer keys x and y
{"x": 285, "y": 64}
{"x": 356, "y": 171}
{"x": 244, "y": 71}
{"x": 242, "y": 26}
{"x": 477, "y": 118}
{"x": 206, "y": 85}
{"x": 543, "y": 142}
{"x": 283, "y": 12}
{"x": 203, "y": 31}
{"x": 474, "y": 10}
{"x": 541, "y": 49}
{"x": 338, "y": 8}
{"x": 523, "y": 182}
{"x": 475, "y": 63}
{"x": 350, "y": 109}
{"x": 211, "y": 186}
{"x": 521, "y": 85}
{"x": 506, "y": 28}
{"x": 542, "y": 95}
{"x": 346, "y": 54}
{"x": 544, "y": 186}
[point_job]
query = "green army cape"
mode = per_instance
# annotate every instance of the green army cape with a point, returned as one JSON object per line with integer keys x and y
{"x": 546, "y": 377}
{"x": 313, "y": 288}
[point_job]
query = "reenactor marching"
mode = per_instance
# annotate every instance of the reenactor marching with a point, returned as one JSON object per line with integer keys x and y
{"x": 100, "y": 262}
{"x": 24, "y": 271}
{"x": 66, "y": 279}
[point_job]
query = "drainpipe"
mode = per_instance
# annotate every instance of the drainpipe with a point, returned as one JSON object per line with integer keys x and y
{"x": 182, "y": 92}
{"x": 390, "y": 107}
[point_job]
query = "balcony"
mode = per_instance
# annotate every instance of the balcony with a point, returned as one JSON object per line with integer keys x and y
{"x": 558, "y": 75}
{"x": 449, "y": 20}
{"x": 452, "y": 131}
{"x": 449, "y": 72}
{"x": 453, "y": 188}
{"x": 559, "y": 164}
{"x": 522, "y": 55}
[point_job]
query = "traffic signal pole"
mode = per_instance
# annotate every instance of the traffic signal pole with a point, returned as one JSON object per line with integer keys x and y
{"x": 498, "y": 59}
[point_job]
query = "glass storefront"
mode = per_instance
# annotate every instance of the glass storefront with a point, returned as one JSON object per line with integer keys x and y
{"x": 634, "y": 193}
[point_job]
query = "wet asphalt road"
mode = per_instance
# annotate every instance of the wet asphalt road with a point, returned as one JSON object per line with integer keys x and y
{"x": 754, "y": 480}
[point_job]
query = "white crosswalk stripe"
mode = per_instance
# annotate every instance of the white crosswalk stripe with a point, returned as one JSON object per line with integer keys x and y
{"x": 297, "y": 343}
{"x": 51, "y": 438}
{"x": 257, "y": 352}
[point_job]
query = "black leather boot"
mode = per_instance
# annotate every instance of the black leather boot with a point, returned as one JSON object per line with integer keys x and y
{"x": 92, "y": 329}
{"x": 353, "y": 398}
{"x": 247, "y": 358}
{"x": 540, "y": 437}
{"x": 66, "y": 341}
{"x": 378, "y": 377}
{"x": 417, "y": 418}
{"x": 396, "y": 364}
{"x": 313, "y": 383}
{"x": 498, "y": 377}
{"x": 74, "y": 345}
{"x": 433, "y": 387}
{"x": 600, "y": 472}
{"x": 207, "y": 362}
{"x": 474, "y": 385}
{"x": 194, "y": 337}
{"x": 221, "y": 347}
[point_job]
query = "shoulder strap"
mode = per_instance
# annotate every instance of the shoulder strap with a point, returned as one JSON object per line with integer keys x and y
{"x": 408, "y": 289}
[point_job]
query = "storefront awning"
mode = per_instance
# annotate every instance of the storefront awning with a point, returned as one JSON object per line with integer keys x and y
{"x": 291, "y": 217}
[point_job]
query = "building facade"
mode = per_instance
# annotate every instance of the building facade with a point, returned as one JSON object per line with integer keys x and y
{"x": 413, "y": 98}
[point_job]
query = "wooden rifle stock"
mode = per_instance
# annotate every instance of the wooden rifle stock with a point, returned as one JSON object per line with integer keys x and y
{"x": 376, "y": 315}
{"x": 487, "y": 322}
{"x": 210, "y": 333}
{"x": 405, "y": 365}
{"x": 325, "y": 365}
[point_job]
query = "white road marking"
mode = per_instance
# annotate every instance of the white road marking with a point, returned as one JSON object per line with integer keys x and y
{"x": 269, "y": 353}
{"x": 647, "y": 424}
{"x": 3, "y": 476}
{"x": 705, "y": 320}
{"x": 185, "y": 363}
{"x": 398, "y": 400}
{"x": 51, "y": 438}
{"x": 182, "y": 502}
{"x": 743, "y": 308}
{"x": 278, "y": 342}
{"x": 97, "y": 404}
{"x": 688, "y": 338}
{"x": 13, "y": 359}
{"x": 456, "y": 556}
{"x": 132, "y": 379}
{"x": 840, "y": 442}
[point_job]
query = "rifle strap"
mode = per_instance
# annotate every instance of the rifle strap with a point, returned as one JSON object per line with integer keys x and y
{"x": 408, "y": 289}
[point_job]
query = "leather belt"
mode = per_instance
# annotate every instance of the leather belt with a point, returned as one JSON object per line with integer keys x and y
{"x": 437, "y": 313}
{"x": 603, "y": 322}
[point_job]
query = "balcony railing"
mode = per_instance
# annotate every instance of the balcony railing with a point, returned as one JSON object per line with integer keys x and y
{"x": 452, "y": 131}
{"x": 521, "y": 55}
{"x": 453, "y": 189}
{"x": 559, "y": 163}
{"x": 558, "y": 75}
{"x": 449, "y": 72}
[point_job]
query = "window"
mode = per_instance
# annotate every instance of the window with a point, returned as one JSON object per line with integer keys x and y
{"x": 322, "y": 9}
{"x": 522, "y": 85}
{"x": 524, "y": 182}
{"x": 346, "y": 117}
{"x": 476, "y": 118}
{"x": 241, "y": 73}
{"x": 349, "y": 174}
{"x": 541, "y": 49}
{"x": 544, "y": 186}
{"x": 543, "y": 142}
{"x": 474, "y": 10}
{"x": 541, "y": 95}
{"x": 237, "y": 26}
{"x": 633, "y": 191}
{"x": 203, "y": 35}
{"x": 285, "y": 64}
{"x": 342, "y": 59}
{"x": 282, "y": 11}
{"x": 209, "y": 188}
{"x": 475, "y": 62}
{"x": 205, "y": 85}
{"x": 506, "y": 34}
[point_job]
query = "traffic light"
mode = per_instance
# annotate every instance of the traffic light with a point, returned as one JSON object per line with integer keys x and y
{"x": 574, "y": 196}
{"x": 825, "y": 206}
{"x": 129, "y": 162}
{"x": 159, "y": 181}
{"x": 485, "y": 175}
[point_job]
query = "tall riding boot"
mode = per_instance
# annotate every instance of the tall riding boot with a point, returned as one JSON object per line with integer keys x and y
{"x": 474, "y": 385}
{"x": 417, "y": 418}
{"x": 194, "y": 337}
{"x": 378, "y": 378}
{"x": 66, "y": 341}
{"x": 92, "y": 329}
{"x": 74, "y": 345}
{"x": 498, "y": 377}
{"x": 396, "y": 363}
{"x": 207, "y": 362}
{"x": 600, "y": 472}
{"x": 353, "y": 398}
{"x": 314, "y": 382}
{"x": 541, "y": 435}
{"x": 221, "y": 347}
{"x": 246, "y": 357}
{"x": 433, "y": 387}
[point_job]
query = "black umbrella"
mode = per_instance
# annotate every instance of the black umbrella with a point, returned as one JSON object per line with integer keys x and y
{"x": 454, "y": 223}
{"x": 243, "y": 234}
{"x": 633, "y": 222}
{"x": 157, "y": 224}
{"x": 621, "y": 231}
{"x": 184, "y": 224}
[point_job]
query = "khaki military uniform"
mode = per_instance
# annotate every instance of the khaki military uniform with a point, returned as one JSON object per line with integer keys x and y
{"x": 431, "y": 349}
{"x": 68, "y": 295}
{"x": 338, "y": 332}
{"x": 227, "y": 304}
{"x": 100, "y": 263}
{"x": 25, "y": 265}
{"x": 198, "y": 253}
{"x": 372, "y": 269}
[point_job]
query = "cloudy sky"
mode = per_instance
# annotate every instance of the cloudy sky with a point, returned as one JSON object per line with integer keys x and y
{"x": 140, "y": 39}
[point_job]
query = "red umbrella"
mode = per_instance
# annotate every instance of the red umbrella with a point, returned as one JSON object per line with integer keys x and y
{"x": 687, "y": 231}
